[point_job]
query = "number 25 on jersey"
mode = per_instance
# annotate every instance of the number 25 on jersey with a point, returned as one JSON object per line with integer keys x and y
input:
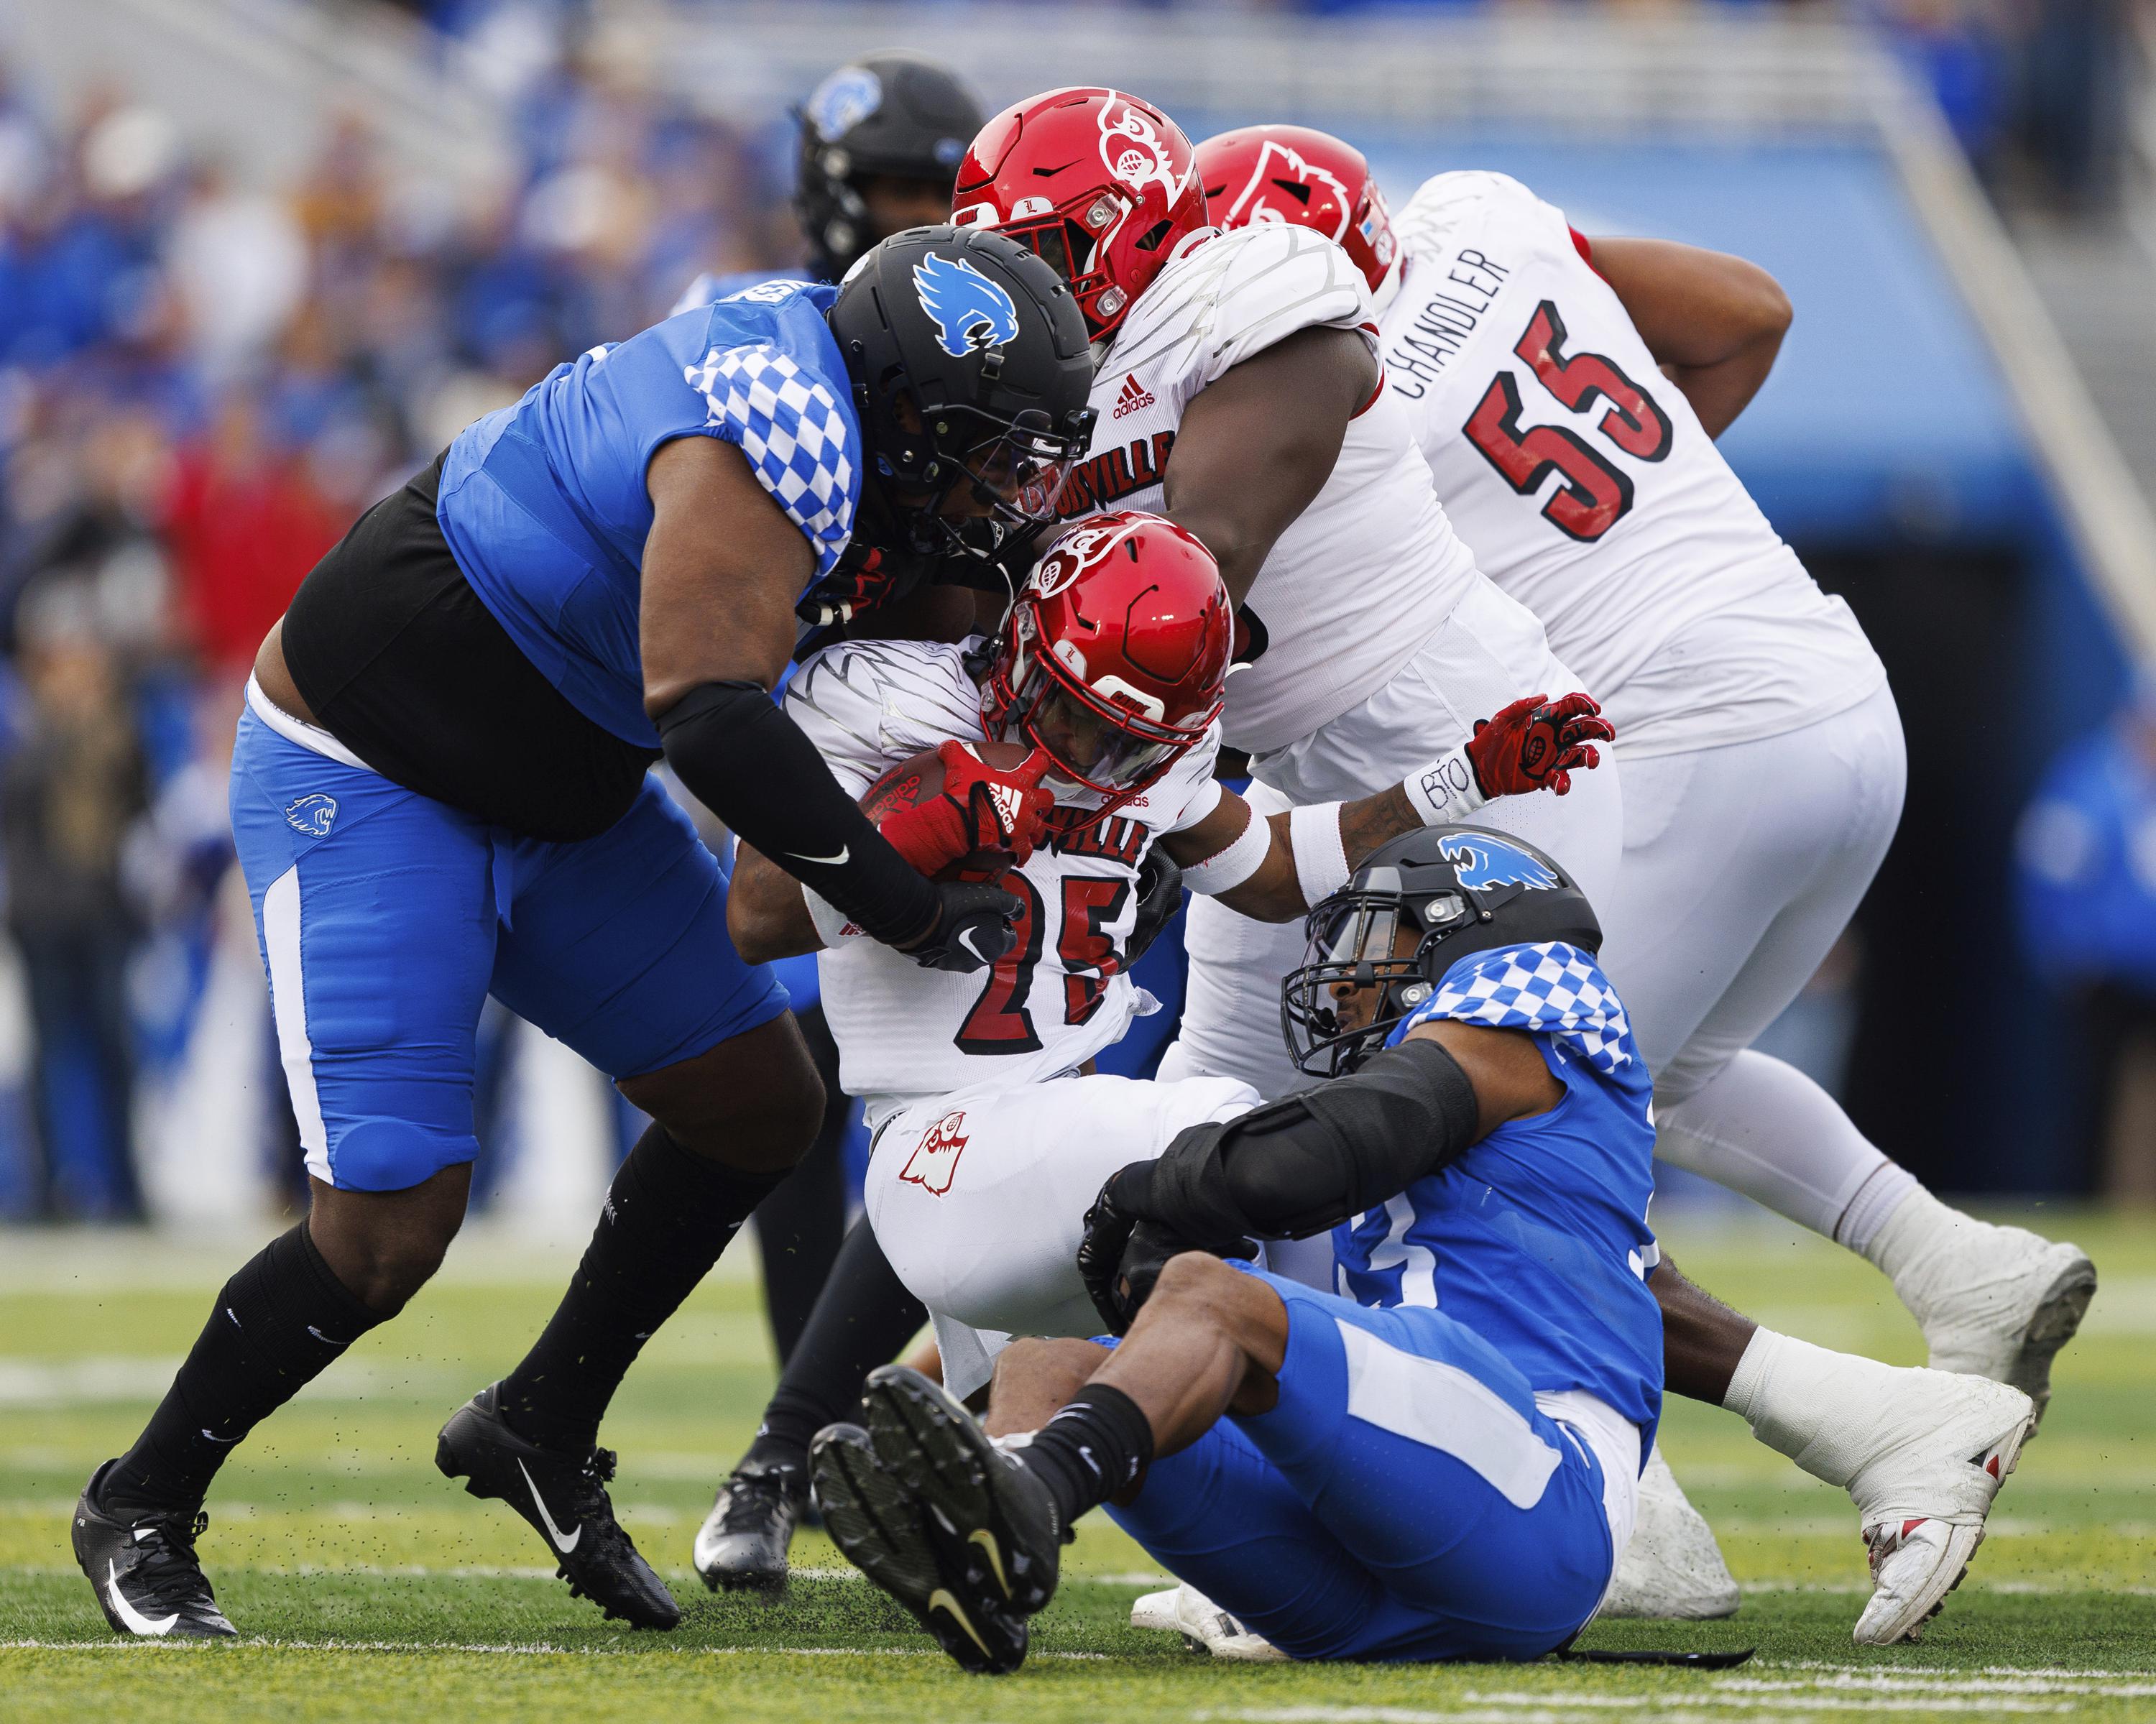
{"x": 1595, "y": 493}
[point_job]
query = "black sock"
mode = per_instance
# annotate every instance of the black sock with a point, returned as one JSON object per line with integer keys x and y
{"x": 669, "y": 1214}
{"x": 862, "y": 1317}
{"x": 1098, "y": 1443}
{"x": 801, "y": 1225}
{"x": 279, "y": 1323}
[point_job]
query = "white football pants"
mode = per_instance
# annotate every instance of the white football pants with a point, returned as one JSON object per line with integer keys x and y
{"x": 1741, "y": 867}
{"x": 979, "y": 1199}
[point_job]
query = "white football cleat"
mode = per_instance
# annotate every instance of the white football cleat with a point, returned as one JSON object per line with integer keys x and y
{"x": 1946, "y": 1445}
{"x": 1204, "y": 1626}
{"x": 1999, "y": 1303}
{"x": 1672, "y": 1570}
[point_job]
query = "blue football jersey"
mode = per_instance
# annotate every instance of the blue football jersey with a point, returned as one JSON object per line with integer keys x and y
{"x": 1538, "y": 1238}
{"x": 544, "y": 503}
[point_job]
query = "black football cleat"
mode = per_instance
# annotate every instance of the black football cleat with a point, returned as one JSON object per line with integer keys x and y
{"x": 564, "y": 1497}
{"x": 742, "y": 1544}
{"x": 143, "y": 1570}
{"x": 879, "y": 1525}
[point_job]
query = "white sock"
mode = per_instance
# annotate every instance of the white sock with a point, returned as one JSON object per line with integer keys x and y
{"x": 1762, "y": 1127}
{"x": 1818, "y": 1407}
{"x": 1920, "y": 1228}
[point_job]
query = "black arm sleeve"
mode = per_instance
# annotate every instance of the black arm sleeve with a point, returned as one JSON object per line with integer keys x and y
{"x": 751, "y": 765}
{"x": 1297, "y": 1167}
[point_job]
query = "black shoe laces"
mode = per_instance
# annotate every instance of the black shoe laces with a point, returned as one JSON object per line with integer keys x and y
{"x": 169, "y": 1572}
{"x": 756, "y": 1502}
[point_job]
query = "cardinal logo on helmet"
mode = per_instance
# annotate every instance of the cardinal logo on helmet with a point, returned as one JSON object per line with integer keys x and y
{"x": 1133, "y": 150}
{"x": 1481, "y": 861}
{"x": 1280, "y": 173}
{"x": 970, "y": 312}
{"x": 1076, "y": 551}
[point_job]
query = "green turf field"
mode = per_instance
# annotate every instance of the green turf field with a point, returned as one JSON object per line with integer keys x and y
{"x": 369, "y": 1587}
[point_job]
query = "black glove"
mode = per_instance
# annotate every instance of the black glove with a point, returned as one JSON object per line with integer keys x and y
{"x": 1160, "y": 896}
{"x": 975, "y": 925}
{"x": 1123, "y": 1252}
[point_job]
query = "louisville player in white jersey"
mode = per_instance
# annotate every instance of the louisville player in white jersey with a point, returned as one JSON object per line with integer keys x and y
{"x": 991, "y": 1135}
{"x": 1566, "y": 396}
{"x": 1238, "y": 393}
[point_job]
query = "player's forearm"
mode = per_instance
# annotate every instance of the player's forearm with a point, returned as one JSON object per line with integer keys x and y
{"x": 1278, "y": 893}
{"x": 751, "y": 765}
{"x": 768, "y": 911}
{"x": 1713, "y": 322}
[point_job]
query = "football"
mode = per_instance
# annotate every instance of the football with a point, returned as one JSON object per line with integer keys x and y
{"x": 913, "y": 782}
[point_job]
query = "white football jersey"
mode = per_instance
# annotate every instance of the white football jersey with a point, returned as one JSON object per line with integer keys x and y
{"x": 905, "y": 1032}
{"x": 1372, "y": 568}
{"x": 1589, "y": 490}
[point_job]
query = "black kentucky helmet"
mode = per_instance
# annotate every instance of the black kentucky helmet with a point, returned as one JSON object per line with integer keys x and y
{"x": 894, "y": 115}
{"x": 970, "y": 364}
{"x": 1415, "y": 907}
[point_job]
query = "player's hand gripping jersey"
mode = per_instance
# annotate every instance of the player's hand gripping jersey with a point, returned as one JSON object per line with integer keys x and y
{"x": 1371, "y": 569}
{"x": 1589, "y": 489}
{"x": 1060, "y": 996}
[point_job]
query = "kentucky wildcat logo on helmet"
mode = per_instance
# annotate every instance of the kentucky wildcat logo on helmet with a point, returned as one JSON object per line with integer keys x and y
{"x": 1102, "y": 185}
{"x": 1114, "y": 658}
{"x": 970, "y": 312}
{"x": 1380, "y": 945}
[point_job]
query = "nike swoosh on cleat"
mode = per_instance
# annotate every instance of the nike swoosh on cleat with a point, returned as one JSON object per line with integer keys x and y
{"x": 138, "y": 1623}
{"x": 844, "y": 851}
{"x": 215, "y": 1437}
{"x": 942, "y": 1600}
{"x": 987, "y": 1540}
{"x": 564, "y": 1545}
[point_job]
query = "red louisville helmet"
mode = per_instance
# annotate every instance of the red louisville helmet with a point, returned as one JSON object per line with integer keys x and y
{"x": 1100, "y": 184}
{"x": 1290, "y": 173}
{"x": 1114, "y": 657}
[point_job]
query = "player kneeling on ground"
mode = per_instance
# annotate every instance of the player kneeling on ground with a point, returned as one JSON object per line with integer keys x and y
{"x": 1445, "y": 1465}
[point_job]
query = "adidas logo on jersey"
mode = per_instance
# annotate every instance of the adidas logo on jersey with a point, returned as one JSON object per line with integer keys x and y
{"x": 1133, "y": 396}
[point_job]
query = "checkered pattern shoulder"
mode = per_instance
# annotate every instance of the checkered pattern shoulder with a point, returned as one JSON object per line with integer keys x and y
{"x": 797, "y": 438}
{"x": 1552, "y": 989}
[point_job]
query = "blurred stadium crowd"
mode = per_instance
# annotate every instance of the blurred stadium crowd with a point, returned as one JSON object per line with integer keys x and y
{"x": 203, "y": 384}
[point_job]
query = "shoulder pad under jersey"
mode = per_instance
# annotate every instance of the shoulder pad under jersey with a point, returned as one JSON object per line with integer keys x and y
{"x": 868, "y": 704}
{"x": 1428, "y": 221}
{"x": 1236, "y": 294}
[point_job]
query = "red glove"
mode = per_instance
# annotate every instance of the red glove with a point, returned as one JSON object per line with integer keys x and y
{"x": 1537, "y": 744}
{"x": 978, "y": 808}
{"x": 866, "y": 577}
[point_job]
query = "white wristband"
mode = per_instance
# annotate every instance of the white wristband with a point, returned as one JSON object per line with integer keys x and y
{"x": 1445, "y": 790}
{"x": 1225, "y": 870}
{"x": 1321, "y": 859}
{"x": 832, "y": 926}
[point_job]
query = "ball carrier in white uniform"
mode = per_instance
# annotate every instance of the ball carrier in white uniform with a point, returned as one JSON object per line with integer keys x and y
{"x": 1566, "y": 398}
{"x": 991, "y": 1135}
{"x": 1238, "y": 395}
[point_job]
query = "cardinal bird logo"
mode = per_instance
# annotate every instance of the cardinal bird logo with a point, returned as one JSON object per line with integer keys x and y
{"x": 935, "y": 1158}
{"x": 970, "y": 312}
{"x": 1280, "y": 175}
{"x": 1482, "y": 861}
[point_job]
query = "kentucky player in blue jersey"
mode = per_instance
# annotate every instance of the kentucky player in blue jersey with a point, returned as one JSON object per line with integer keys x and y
{"x": 439, "y": 791}
{"x": 1442, "y": 1461}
